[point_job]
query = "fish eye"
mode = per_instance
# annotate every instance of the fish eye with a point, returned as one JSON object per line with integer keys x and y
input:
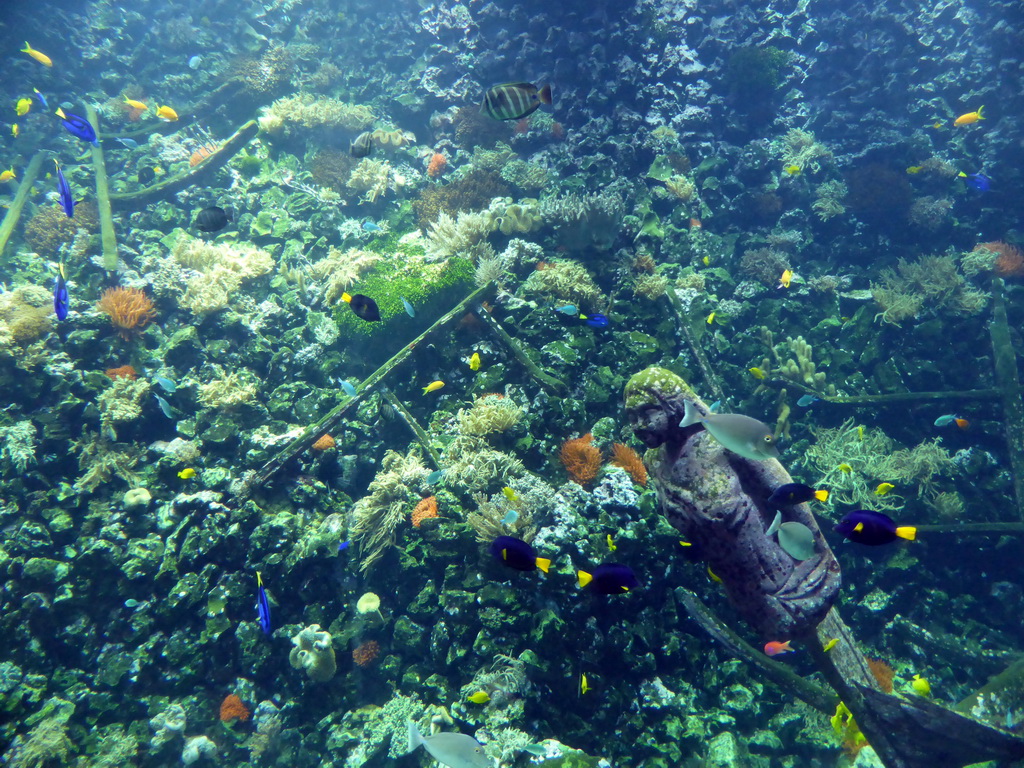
{"x": 768, "y": 439}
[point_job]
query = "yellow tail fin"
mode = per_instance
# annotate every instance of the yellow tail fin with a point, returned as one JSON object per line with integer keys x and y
{"x": 543, "y": 563}
{"x": 907, "y": 532}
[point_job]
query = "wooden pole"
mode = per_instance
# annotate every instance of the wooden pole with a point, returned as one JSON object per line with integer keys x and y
{"x": 28, "y": 178}
{"x": 108, "y": 238}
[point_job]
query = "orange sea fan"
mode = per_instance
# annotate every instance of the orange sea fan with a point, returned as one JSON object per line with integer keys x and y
{"x": 130, "y": 310}
{"x": 625, "y": 457}
{"x": 232, "y": 708}
{"x": 883, "y": 673}
{"x": 122, "y": 372}
{"x": 426, "y": 508}
{"x": 1009, "y": 258}
{"x": 582, "y": 459}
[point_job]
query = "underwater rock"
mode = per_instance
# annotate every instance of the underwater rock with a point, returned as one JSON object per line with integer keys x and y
{"x": 167, "y": 725}
{"x": 314, "y": 652}
{"x": 196, "y": 748}
{"x": 716, "y": 499}
{"x": 725, "y": 751}
{"x": 137, "y": 498}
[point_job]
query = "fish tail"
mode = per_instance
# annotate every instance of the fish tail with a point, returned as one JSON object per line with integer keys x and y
{"x": 415, "y": 739}
{"x": 544, "y": 94}
{"x": 584, "y": 578}
{"x": 821, "y": 495}
{"x": 980, "y": 116}
{"x": 907, "y": 532}
{"x": 347, "y": 298}
{"x": 543, "y": 563}
{"x": 28, "y": 49}
{"x": 691, "y": 416}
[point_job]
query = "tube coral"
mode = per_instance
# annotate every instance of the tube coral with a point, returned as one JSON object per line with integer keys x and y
{"x": 625, "y": 457}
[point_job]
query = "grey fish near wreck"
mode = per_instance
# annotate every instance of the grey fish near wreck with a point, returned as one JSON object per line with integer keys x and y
{"x": 456, "y": 750}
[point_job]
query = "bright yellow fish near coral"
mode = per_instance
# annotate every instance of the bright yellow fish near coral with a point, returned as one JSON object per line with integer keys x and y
{"x": 187, "y": 474}
{"x": 23, "y": 106}
{"x": 786, "y": 278}
{"x": 134, "y": 104}
{"x": 883, "y": 489}
{"x": 167, "y": 114}
{"x": 792, "y": 170}
{"x": 757, "y": 373}
{"x": 7, "y": 175}
{"x": 969, "y": 118}
{"x": 433, "y": 386}
{"x": 42, "y": 58}
{"x": 480, "y": 697}
{"x": 474, "y": 362}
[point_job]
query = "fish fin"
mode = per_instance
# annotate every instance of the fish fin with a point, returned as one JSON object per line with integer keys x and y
{"x": 821, "y": 495}
{"x": 691, "y": 416}
{"x": 543, "y": 563}
{"x": 980, "y": 116}
{"x": 60, "y": 113}
{"x": 28, "y": 49}
{"x": 907, "y": 532}
{"x": 346, "y": 297}
{"x": 415, "y": 739}
{"x": 544, "y": 94}
{"x": 584, "y": 578}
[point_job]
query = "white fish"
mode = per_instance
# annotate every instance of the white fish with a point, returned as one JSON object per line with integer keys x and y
{"x": 195, "y": 61}
{"x": 748, "y": 437}
{"x": 796, "y": 540}
{"x": 456, "y": 750}
{"x": 408, "y": 307}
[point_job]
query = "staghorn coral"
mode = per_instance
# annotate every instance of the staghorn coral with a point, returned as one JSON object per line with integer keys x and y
{"x": 377, "y": 515}
{"x": 129, "y": 309}
{"x": 314, "y": 112}
{"x": 489, "y": 414}
{"x": 581, "y": 459}
{"x": 50, "y": 231}
{"x": 340, "y": 269}
{"x": 219, "y": 269}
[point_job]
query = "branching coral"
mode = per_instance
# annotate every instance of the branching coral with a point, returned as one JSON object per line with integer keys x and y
{"x": 489, "y": 414}
{"x": 566, "y": 280}
{"x": 18, "y": 446}
{"x": 121, "y": 402}
{"x": 229, "y": 390}
{"x": 221, "y": 268}
{"x": 583, "y": 222}
{"x": 130, "y": 310}
{"x": 931, "y": 282}
{"x": 373, "y": 178}
{"x": 829, "y": 199}
{"x": 340, "y": 269}
{"x": 377, "y": 516}
{"x": 801, "y": 149}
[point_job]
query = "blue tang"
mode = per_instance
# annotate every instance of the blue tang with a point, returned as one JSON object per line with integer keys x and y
{"x": 79, "y": 127}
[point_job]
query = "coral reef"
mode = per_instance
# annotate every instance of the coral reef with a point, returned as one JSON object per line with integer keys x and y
{"x": 129, "y": 309}
{"x": 313, "y": 652}
{"x": 51, "y": 234}
{"x": 424, "y": 510}
{"x": 568, "y": 281}
{"x": 310, "y": 112}
{"x": 377, "y": 516}
{"x": 217, "y": 271}
{"x": 625, "y": 457}
{"x": 489, "y": 414}
{"x": 24, "y": 316}
{"x": 340, "y": 269}
{"x": 930, "y": 284}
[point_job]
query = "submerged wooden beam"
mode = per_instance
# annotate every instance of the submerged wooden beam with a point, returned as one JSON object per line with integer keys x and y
{"x": 371, "y": 382}
{"x": 1008, "y": 382}
{"x": 193, "y": 176}
{"x": 28, "y": 178}
{"x": 108, "y": 238}
{"x": 554, "y": 385}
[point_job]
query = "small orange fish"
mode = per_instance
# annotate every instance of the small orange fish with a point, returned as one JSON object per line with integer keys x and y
{"x": 695, "y": 224}
{"x": 166, "y": 113}
{"x": 140, "y": 106}
{"x": 969, "y": 118}
{"x": 774, "y": 647}
{"x": 962, "y": 423}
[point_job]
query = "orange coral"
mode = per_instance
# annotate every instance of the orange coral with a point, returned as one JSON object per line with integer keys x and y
{"x": 625, "y": 457}
{"x": 883, "y": 673}
{"x": 1009, "y": 258}
{"x": 323, "y": 443}
{"x": 437, "y": 165}
{"x": 365, "y": 653}
{"x": 232, "y": 708}
{"x": 582, "y": 460}
{"x": 122, "y": 372}
{"x": 426, "y": 508}
{"x": 130, "y": 310}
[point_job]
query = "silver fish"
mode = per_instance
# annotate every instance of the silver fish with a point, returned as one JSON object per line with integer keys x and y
{"x": 456, "y": 750}
{"x": 748, "y": 437}
{"x": 796, "y": 540}
{"x": 362, "y": 145}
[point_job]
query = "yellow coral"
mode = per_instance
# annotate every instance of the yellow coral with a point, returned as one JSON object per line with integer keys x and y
{"x": 340, "y": 269}
{"x": 229, "y": 391}
{"x": 308, "y": 111}
{"x": 221, "y": 270}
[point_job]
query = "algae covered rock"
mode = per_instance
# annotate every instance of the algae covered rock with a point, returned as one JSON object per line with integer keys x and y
{"x": 314, "y": 652}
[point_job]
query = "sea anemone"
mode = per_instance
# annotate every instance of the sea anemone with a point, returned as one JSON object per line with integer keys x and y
{"x": 129, "y": 309}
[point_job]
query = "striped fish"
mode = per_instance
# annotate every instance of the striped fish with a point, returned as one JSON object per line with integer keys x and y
{"x": 511, "y": 101}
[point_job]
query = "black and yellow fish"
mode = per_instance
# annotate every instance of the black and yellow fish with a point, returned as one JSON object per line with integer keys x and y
{"x": 364, "y": 307}
{"x": 512, "y": 101}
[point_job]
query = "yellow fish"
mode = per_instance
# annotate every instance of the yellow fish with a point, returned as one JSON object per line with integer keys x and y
{"x": 510, "y": 494}
{"x": 433, "y": 386}
{"x": 757, "y": 373}
{"x": 611, "y": 543}
{"x": 584, "y": 687}
{"x": 14, "y": 130}
{"x": 167, "y": 114}
{"x": 711, "y": 318}
{"x": 786, "y": 279}
{"x": 480, "y": 697}
{"x": 938, "y": 124}
{"x": 969, "y": 117}
{"x": 474, "y": 362}
{"x": 860, "y": 433}
{"x": 7, "y": 175}
{"x": 685, "y": 544}
{"x": 706, "y": 260}
{"x": 187, "y": 474}
{"x": 792, "y": 170}
{"x": 140, "y": 106}
{"x": 831, "y": 644}
{"x": 45, "y": 60}
{"x": 915, "y": 168}
{"x": 921, "y": 686}
{"x": 714, "y": 576}
{"x": 845, "y": 468}
{"x": 883, "y": 488}
{"x": 23, "y": 106}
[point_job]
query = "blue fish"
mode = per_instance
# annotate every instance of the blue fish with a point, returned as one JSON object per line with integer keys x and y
{"x": 595, "y": 321}
{"x": 165, "y": 384}
{"x": 343, "y": 545}
{"x": 42, "y": 99}
{"x": 347, "y": 388}
{"x": 408, "y": 307}
{"x": 262, "y": 606}
{"x": 568, "y": 309}
{"x": 78, "y": 126}
{"x": 510, "y": 517}
{"x": 130, "y": 143}
{"x": 977, "y": 181}
{"x": 715, "y": 406}
{"x": 369, "y": 226}
{"x": 165, "y": 407}
{"x": 435, "y": 477}
{"x": 806, "y": 400}
{"x": 66, "y": 201}
{"x": 60, "y": 295}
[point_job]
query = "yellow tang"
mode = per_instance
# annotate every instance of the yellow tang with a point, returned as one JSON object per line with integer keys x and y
{"x": 915, "y": 169}
{"x": 7, "y": 175}
{"x": 433, "y": 386}
{"x": 921, "y": 686}
{"x": 831, "y": 644}
{"x": 711, "y": 318}
{"x": 135, "y": 104}
{"x": 792, "y": 170}
{"x": 480, "y": 697}
{"x": 611, "y": 543}
{"x": 845, "y": 468}
{"x": 23, "y": 106}
{"x": 757, "y": 373}
{"x": 584, "y": 687}
{"x": 883, "y": 488}
{"x": 14, "y": 130}
{"x": 860, "y": 433}
{"x": 786, "y": 279}
{"x": 714, "y": 576}
{"x": 706, "y": 260}
{"x": 187, "y": 474}
{"x": 474, "y": 362}
{"x": 510, "y": 494}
